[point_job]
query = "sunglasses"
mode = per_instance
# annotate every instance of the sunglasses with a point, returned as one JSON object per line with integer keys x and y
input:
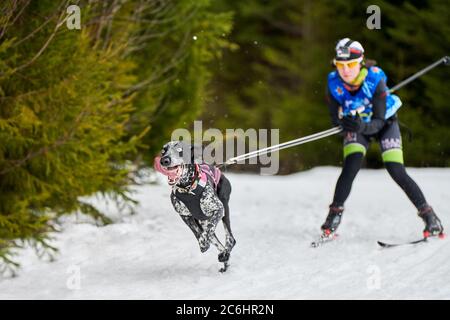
{"x": 350, "y": 64}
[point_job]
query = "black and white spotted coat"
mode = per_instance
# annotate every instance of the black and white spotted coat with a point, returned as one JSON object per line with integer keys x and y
{"x": 198, "y": 204}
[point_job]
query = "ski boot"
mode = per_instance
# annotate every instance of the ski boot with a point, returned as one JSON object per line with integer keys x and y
{"x": 333, "y": 220}
{"x": 433, "y": 226}
{"x": 330, "y": 226}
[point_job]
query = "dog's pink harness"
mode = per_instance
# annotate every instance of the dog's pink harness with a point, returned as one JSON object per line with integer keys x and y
{"x": 206, "y": 170}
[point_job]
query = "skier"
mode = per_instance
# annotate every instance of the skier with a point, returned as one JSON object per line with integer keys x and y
{"x": 361, "y": 104}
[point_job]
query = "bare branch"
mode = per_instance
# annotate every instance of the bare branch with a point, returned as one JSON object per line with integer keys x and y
{"x": 115, "y": 8}
{"x": 24, "y": 6}
{"x": 283, "y": 26}
{"x": 50, "y": 38}
{"x": 179, "y": 56}
{"x": 9, "y": 14}
{"x": 39, "y": 28}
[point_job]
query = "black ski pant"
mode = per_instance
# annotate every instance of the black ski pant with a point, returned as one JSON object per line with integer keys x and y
{"x": 355, "y": 147}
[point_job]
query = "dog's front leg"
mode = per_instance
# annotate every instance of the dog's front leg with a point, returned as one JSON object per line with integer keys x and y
{"x": 197, "y": 229}
{"x": 216, "y": 242}
{"x": 192, "y": 223}
{"x": 212, "y": 208}
{"x": 209, "y": 228}
{"x": 224, "y": 253}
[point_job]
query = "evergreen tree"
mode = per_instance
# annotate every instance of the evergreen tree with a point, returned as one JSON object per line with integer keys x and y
{"x": 417, "y": 34}
{"x": 277, "y": 78}
{"x": 75, "y": 105}
{"x": 174, "y": 66}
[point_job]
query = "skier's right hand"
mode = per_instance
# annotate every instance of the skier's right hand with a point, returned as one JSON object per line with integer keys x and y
{"x": 352, "y": 124}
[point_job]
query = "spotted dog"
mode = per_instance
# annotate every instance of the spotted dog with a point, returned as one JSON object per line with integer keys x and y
{"x": 200, "y": 195}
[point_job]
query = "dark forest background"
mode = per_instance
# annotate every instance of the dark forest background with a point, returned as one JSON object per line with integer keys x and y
{"x": 81, "y": 111}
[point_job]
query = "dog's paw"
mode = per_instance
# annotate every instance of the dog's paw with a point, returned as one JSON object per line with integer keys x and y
{"x": 204, "y": 247}
{"x": 224, "y": 256}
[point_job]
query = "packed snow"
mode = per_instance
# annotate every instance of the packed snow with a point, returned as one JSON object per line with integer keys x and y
{"x": 153, "y": 255}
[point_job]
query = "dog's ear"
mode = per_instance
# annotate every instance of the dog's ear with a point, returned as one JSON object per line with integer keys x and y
{"x": 196, "y": 153}
{"x": 188, "y": 152}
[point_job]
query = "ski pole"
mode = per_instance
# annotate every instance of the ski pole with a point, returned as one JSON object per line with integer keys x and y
{"x": 326, "y": 133}
{"x": 284, "y": 145}
{"x": 445, "y": 60}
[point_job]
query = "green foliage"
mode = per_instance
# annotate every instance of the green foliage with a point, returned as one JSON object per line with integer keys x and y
{"x": 277, "y": 78}
{"x": 76, "y": 106}
{"x": 421, "y": 34}
{"x": 81, "y": 109}
{"x": 174, "y": 66}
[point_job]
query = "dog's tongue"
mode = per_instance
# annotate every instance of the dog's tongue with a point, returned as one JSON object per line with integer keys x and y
{"x": 172, "y": 175}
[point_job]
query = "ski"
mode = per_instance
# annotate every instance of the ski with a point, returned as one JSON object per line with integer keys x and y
{"x": 390, "y": 245}
{"x": 324, "y": 238}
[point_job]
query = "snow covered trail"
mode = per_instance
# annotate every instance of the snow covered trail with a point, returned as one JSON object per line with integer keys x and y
{"x": 153, "y": 255}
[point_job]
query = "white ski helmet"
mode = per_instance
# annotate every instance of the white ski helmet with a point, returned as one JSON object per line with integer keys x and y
{"x": 347, "y": 49}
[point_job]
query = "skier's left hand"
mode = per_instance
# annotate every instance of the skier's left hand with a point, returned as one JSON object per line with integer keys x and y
{"x": 352, "y": 124}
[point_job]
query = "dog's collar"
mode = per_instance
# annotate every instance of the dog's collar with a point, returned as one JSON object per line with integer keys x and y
{"x": 196, "y": 179}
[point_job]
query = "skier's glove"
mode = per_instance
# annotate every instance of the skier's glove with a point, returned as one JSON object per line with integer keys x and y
{"x": 353, "y": 124}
